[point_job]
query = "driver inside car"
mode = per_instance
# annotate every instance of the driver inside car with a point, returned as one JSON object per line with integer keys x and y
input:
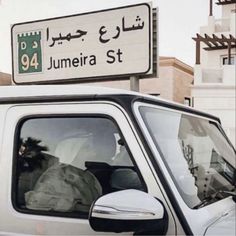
{"x": 67, "y": 186}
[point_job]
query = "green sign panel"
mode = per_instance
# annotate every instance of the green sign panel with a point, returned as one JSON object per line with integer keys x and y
{"x": 29, "y": 52}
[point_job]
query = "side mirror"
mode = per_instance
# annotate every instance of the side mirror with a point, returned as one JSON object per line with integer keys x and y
{"x": 128, "y": 211}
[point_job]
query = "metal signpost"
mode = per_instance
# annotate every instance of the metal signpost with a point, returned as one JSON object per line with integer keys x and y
{"x": 85, "y": 47}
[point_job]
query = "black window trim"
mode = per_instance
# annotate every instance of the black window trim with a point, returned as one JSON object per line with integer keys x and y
{"x": 157, "y": 145}
{"x": 14, "y": 184}
{"x": 130, "y": 109}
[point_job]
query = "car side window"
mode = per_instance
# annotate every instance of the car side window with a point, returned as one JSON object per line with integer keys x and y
{"x": 63, "y": 164}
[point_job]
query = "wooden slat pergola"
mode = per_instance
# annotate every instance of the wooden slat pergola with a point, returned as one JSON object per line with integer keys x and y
{"x": 219, "y": 2}
{"x": 215, "y": 43}
{"x": 225, "y": 2}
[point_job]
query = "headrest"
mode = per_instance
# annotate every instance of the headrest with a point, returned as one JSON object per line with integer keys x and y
{"x": 68, "y": 148}
{"x": 86, "y": 147}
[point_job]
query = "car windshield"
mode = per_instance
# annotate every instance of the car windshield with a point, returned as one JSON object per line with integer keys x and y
{"x": 199, "y": 158}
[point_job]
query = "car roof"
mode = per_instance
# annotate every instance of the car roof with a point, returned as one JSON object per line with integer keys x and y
{"x": 36, "y": 93}
{"x": 30, "y": 91}
{"x": 50, "y": 90}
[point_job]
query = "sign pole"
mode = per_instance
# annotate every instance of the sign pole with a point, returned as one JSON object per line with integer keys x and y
{"x": 134, "y": 83}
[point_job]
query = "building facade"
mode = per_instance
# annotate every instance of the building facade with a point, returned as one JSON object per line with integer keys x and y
{"x": 173, "y": 83}
{"x": 214, "y": 72}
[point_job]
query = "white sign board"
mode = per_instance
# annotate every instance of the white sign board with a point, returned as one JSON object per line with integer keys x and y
{"x": 96, "y": 45}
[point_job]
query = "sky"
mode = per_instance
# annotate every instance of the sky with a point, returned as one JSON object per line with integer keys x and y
{"x": 179, "y": 21}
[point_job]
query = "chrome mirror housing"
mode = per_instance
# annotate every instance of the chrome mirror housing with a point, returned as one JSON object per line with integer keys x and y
{"x": 128, "y": 211}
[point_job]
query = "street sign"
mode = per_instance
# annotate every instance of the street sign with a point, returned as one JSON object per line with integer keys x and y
{"x": 96, "y": 45}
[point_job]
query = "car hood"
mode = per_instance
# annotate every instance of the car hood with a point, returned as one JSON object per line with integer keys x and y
{"x": 225, "y": 225}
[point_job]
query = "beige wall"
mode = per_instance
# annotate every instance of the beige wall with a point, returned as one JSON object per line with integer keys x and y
{"x": 162, "y": 85}
{"x": 5, "y": 79}
{"x": 182, "y": 83}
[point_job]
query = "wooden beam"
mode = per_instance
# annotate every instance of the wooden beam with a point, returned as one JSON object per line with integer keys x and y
{"x": 225, "y": 2}
{"x": 198, "y": 51}
{"x": 218, "y": 48}
{"x": 232, "y": 37}
{"x": 215, "y": 42}
{"x": 218, "y": 40}
{"x": 211, "y": 9}
{"x": 224, "y": 38}
{"x": 229, "y": 54}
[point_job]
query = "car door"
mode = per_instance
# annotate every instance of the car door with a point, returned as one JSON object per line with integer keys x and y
{"x": 59, "y": 158}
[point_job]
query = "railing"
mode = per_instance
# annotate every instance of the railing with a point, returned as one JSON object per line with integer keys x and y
{"x": 212, "y": 76}
{"x": 224, "y": 75}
